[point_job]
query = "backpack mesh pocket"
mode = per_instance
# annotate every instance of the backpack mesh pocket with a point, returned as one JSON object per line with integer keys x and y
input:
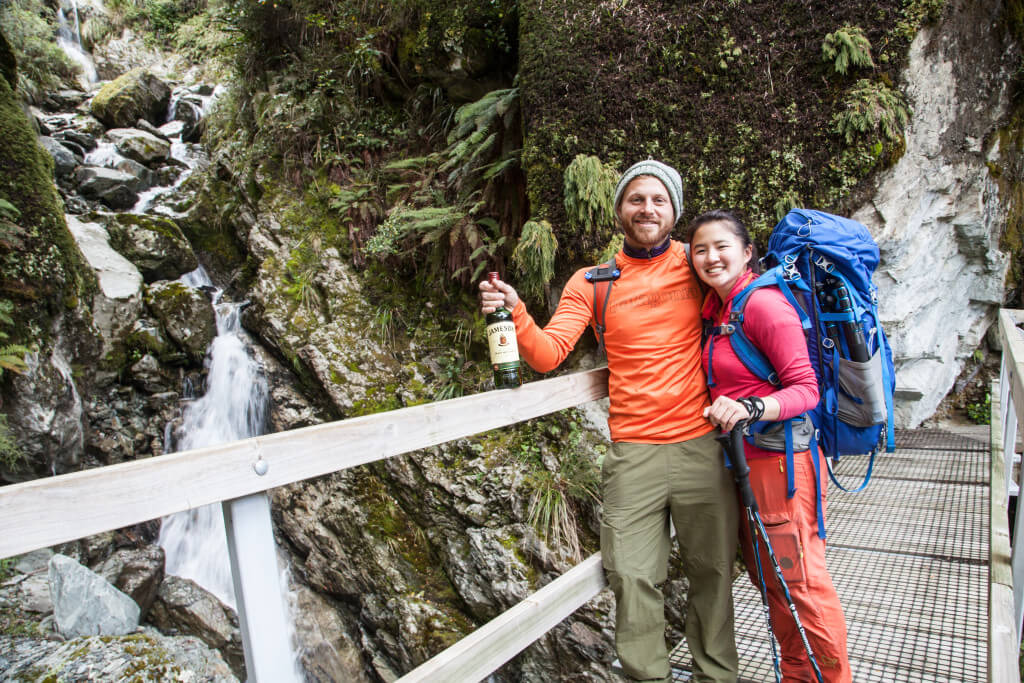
{"x": 863, "y": 380}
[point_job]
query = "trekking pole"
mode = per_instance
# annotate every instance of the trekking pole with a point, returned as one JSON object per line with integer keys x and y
{"x": 733, "y": 444}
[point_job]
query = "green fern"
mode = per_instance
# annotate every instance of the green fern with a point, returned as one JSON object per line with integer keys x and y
{"x": 535, "y": 257}
{"x": 483, "y": 144}
{"x": 845, "y": 47}
{"x": 589, "y": 196}
{"x": 872, "y": 108}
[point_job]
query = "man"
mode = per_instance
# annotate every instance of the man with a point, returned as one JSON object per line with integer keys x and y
{"x": 664, "y": 461}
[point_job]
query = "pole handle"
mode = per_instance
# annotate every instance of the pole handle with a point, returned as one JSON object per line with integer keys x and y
{"x": 733, "y": 444}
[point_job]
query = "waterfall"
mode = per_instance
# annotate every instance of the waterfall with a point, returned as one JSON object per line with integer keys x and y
{"x": 71, "y": 42}
{"x": 233, "y": 407}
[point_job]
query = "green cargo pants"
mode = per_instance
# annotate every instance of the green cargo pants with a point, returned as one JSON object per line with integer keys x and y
{"x": 642, "y": 485}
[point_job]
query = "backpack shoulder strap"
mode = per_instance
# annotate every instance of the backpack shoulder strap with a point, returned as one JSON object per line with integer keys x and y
{"x": 608, "y": 272}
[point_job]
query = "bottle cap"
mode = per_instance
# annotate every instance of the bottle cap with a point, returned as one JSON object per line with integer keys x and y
{"x": 492, "y": 276}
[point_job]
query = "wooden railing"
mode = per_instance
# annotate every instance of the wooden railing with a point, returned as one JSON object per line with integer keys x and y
{"x": 44, "y": 512}
{"x": 1006, "y": 561}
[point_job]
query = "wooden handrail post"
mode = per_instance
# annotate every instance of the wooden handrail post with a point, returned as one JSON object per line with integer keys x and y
{"x": 259, "y": 597}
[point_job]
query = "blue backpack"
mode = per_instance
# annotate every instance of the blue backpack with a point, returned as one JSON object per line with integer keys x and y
{"x": 823, "y": 265}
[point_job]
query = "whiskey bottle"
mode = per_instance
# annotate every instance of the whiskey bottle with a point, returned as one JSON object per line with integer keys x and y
{"x": 501, "y": 338}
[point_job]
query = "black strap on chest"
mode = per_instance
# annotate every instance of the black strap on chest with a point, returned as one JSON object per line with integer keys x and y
{"x": 608, "y": 272}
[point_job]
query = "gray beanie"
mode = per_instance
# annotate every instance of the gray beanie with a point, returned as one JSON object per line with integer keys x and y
{"x": 668, "y": 176}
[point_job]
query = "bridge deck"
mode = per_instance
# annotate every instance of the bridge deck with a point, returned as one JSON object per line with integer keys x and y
{"x": 909, "y": 558}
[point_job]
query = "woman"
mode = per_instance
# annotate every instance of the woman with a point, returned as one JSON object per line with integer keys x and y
{"x": 722, "y": 253}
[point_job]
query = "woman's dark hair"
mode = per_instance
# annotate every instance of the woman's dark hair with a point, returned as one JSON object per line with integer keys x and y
{"x": 735, "y": 226}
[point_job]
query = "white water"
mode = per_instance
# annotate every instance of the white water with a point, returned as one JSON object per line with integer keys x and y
{"x": 70, "y": 40}
{"x": 234, "y": 407}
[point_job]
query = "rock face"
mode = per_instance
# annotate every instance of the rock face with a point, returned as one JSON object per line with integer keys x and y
{"x": 937, "y": 215}
{"x": 85, "y": 604}
{"x": 96, "y": 658}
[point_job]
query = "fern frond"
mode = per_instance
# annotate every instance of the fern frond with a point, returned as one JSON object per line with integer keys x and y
{"x": 845, "y": 47}
{"x": 534, "y": 257}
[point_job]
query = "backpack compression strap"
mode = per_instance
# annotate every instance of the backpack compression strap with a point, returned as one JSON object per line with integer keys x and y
{"x": 609, "y": 272}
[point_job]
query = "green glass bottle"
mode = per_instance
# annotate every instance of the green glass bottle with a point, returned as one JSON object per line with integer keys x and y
{"x": 501, "y": 338}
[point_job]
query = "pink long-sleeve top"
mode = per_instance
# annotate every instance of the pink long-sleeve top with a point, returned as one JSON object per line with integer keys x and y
{"x": 773, "y": 326}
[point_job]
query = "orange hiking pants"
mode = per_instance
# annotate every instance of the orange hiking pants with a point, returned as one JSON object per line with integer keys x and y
{"x": 793, "y": 531}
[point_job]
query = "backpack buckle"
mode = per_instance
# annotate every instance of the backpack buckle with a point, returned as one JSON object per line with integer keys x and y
{"x": 824, "y": 264}
{"x": 602, "y": 274}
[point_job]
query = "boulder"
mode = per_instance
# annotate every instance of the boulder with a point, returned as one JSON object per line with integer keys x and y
{"x": 113, "y": 188}
{"x": 118, "y": 277}
{"x": 182, "y": 606}
{"x": 135, "y": 95}
{"x": 64, "y": 162}
{"x": 139, "y": 145}
{"x": 136, "y": 573}
{"x": 155, "y": 245}
{"x": 185, "y": 313}
{"x": 85, "y": 604}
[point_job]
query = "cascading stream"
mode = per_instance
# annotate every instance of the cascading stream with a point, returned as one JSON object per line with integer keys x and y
{"x": 70, "y": 40}
{"x": 233, "y": 407}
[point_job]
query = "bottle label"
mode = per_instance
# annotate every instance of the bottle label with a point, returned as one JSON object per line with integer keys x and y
{"x": 501, "y": 338}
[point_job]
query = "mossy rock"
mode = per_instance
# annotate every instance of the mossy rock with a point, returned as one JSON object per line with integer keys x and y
{"x": 8, "y": 62}
{"x": 44, "y": 268}
{"x": 185, "y": 314}
{"x": 135, "y": 95}
{"x": 154, "y": 244}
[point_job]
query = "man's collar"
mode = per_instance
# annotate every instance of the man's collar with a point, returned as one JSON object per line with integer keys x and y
{"x": 647, "y": 253}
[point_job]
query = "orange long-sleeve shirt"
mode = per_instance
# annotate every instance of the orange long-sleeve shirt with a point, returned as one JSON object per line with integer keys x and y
{"x": 656, "y": 384}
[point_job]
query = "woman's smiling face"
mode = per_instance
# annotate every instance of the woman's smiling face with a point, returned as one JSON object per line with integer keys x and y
{"x": 719, "y": 256}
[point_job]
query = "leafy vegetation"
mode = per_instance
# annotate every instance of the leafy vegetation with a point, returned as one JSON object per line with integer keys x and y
{"x": 872, "y": 109}
{"x": 564, "y": 478}
{"x": 846, "y": 47}
{"x": 30, "y": 26}
{"x": 589, "y": 199}
{"x": 535, "y": 258}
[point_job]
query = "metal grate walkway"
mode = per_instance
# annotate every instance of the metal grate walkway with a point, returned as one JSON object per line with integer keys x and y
{"x": 909, "y": 559}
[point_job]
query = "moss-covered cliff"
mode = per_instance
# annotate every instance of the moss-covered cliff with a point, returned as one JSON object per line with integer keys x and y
{"x": 738, "y": 95}
{"x": 41, "y": 268}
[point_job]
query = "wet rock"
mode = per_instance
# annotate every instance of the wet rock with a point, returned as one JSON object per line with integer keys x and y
{"x": 113, "y": 188}
{"x": 143, "y": 177}
{"x": 135, "y": 95}
{"x": 64, "y": 161}
{"x": 146, "y": 126}
{"x": 139, "y": 145}
{"x": 83, "y": 139}
{"x": 45, "y": 414}
{"x": 85, "y": 603}
{"x": 119, "y": 279}
{"x": 185, "y": 314}
{"x": 148, "y": 375}
{"x": 155, "y": 245}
